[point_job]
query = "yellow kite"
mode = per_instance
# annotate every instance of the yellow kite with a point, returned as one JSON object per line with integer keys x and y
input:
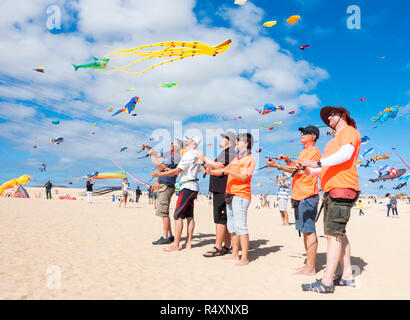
{"x": 186, "y": 50}
{"x": 269, "y": 24}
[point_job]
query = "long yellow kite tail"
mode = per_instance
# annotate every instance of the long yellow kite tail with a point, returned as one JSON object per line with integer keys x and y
{"x": 152, "y": 67}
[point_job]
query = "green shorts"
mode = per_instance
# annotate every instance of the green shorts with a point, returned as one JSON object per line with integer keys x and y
{"x": 335, "y": 215}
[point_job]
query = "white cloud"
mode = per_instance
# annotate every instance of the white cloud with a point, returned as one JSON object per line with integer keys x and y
{"x": 252, "y": 72}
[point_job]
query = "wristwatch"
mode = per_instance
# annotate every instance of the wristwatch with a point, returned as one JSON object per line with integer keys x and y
{"x": 319, "y": 164}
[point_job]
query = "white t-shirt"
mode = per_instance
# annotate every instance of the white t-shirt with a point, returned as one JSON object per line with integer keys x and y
{"x": 190, "y": 167}
{"x": 125, "y": 187}
{"x": 386, "y": 201}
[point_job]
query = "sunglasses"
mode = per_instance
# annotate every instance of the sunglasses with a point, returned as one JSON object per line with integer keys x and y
{"x": 335, "y": 113}
{"x": 305, "y": 133}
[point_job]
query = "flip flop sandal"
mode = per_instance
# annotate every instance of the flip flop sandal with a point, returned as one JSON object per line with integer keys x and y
{"x": 216, "y": 253}
{"x": 338, "y": 281}
{"x": 318, "y": 287}
{"x": 227, "y": 250}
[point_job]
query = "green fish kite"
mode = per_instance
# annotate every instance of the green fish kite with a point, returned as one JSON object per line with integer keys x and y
{"x": 96, "y": 64}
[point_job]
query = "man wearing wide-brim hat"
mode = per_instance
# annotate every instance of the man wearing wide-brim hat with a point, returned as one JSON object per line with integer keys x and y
{"x": 339, "y": 179}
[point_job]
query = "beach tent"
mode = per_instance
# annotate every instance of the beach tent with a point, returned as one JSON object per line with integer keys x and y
{"x": 21, "y": 192}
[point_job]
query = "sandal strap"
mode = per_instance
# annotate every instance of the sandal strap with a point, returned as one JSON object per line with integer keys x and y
{"x": 318, "y": 287}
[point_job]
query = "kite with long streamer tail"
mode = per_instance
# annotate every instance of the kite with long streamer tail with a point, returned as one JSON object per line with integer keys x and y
{"x": 188, "y": 49}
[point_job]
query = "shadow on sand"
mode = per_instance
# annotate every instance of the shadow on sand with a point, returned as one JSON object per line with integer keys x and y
{"x": 321, "y": 263}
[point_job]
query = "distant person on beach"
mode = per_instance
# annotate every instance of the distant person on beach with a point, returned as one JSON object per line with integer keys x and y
{"x": 386, "y": 202}
{"x": 89, "y": 187}
{"x": 339, "y": 179}
{"x": 361, "y": 208}
{"x": 217, "y": 187}
{"x": 166, "y": 187}
{"x": 150, "y": 195}
{"x": 393, "y": 204}
{"x": 283, "y": 196}
{"x": 238, "y": 196}
{"x": 155, "y": 187}
{"x": 48, "y": 187}
{"x": 124, "y": 189}
{"x": 304, "y": 196}
{"x": 138, "y": 194}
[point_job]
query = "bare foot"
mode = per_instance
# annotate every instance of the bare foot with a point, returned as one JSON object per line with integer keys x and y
{"x": 231, "y": 257}
{"x": 305, "y": 272}
{"x": 241, "y": 263}
{"x": 186, "y": 246}
{"x": 299, "y": 268}
{"x": 171, "y": 248}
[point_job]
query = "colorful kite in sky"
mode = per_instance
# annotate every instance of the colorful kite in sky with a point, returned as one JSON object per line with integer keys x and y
{"x": 130, "y": 106}
{"x": 364, "y": 140}
{"x": 55, "y": 122}
{"x": 293, "y": 19}
{"x": 268, "y": 108}
{"x": 368, "y": 151}
{"x": 39, "y": 69}
{"x": 393, "y": 174}
{"x": 57, "y": 140}
{"x": 380, "y": 157}
{"x": 186, "y": 50}
{"x": 386, "y": 114}
{"x": 271, "y": 125}
{"x": 304, "y": 47}
{"x": 269, "y": 24}
{"x": 96, "y": 64}
{"x": 168, "y": 84}
{"x": 123, "y": 149}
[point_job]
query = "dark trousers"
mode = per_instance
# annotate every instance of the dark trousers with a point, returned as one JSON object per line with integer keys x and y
{"x": 137, "y": 197}
{"x": 394, "y": 209}
{"x": 48, "y": 194}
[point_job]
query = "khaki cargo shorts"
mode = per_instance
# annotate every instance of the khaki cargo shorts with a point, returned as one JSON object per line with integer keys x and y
{"x": 335, "y": 216}
{"x": 164, "y": 198}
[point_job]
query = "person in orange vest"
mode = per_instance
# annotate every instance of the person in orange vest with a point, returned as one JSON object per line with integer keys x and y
{"x": 339, "y": 179}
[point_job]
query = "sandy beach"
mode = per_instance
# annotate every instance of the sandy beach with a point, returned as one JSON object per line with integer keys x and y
{"x": 105, "y": 252}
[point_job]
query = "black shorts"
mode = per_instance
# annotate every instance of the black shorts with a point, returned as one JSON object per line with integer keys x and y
{"x": 219, "y": 208}
{"x": 185, "y": 204}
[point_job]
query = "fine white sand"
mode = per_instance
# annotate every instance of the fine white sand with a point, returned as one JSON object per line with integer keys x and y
{"x": 105, "y": 252}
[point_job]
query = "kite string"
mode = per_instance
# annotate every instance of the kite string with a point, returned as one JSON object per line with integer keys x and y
{"x": 401, "y": 159}
{"x": 144, "y": 183}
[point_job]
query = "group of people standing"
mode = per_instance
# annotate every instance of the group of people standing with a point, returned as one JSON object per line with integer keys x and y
{"x": 230, "y": 183}
{"x": 391, "y": 203}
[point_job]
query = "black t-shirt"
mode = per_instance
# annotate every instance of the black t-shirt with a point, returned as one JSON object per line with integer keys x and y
{"x": 218, "y": 183}
{"x": 138, "y": 191}
{"x": 90, "y": 187}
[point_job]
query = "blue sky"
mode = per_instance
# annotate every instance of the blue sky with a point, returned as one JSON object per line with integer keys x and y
{"x": 263, "y": 65}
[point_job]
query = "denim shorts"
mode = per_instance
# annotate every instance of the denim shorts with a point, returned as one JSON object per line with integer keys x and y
{"x": 237, "y": 212}
{"x": 305, "y": 214}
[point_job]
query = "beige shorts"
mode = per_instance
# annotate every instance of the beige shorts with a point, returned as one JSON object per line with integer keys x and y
{"x": 164, "y": 198}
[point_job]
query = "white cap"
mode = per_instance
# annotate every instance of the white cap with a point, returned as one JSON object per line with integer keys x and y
{"x": 195, "y": 139}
